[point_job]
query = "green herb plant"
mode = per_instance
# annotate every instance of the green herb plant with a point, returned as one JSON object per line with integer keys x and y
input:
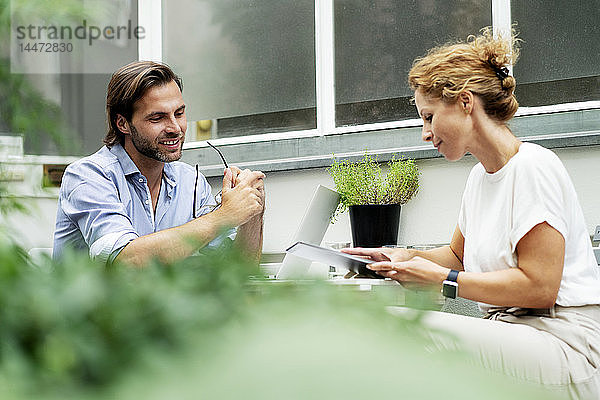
{"x": 363, "y": 182}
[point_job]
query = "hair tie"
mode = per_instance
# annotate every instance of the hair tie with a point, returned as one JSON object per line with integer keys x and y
{"x": 501, "y": 73}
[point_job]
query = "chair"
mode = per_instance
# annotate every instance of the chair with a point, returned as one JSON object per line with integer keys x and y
{"x": 38, "y": 256}
{"x": 596, "y": 238}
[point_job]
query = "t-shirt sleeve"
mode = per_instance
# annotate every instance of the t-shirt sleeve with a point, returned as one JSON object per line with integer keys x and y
{"x": 538, "y": 197}
{"x": 91, "y": 200}
{"x": 462, "y": 213}
{"x": 462, "y": 225}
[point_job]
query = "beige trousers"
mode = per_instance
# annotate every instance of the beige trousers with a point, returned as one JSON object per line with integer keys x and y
{"x": 560, "y": 352}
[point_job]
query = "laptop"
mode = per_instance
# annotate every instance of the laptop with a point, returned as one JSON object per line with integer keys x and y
{"x": 312, "y": 229}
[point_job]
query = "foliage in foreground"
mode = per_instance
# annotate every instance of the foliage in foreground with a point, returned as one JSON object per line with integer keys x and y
{"x": 79, "y": 323}
{"x": 203, "y": 329}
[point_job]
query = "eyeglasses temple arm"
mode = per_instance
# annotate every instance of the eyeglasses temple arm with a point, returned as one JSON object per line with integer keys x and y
{"x": 220, "y": 154}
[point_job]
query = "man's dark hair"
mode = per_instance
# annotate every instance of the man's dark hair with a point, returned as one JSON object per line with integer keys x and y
{"x": 129, "y": 84}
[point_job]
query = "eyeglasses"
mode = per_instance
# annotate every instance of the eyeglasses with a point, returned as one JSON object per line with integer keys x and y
{"x": 218, "y": 195}
{"x": 220, "y": 154}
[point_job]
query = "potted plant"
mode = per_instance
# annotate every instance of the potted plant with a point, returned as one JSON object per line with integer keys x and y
{"x": 373, "y": 198}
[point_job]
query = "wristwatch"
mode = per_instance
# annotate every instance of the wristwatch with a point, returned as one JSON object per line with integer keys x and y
{"x": 450, "y": 286}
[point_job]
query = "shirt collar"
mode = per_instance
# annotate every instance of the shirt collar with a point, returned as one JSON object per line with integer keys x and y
{"x": 127, "y": 164}
{"x": 169, "y": 174}
{"x": 129, "y": 167}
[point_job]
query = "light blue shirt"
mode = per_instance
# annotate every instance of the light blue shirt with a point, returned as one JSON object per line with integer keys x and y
{"x": 104, "y": 203}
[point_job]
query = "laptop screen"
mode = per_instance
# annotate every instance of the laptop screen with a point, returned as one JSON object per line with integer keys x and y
{"x": 311, "y": 230}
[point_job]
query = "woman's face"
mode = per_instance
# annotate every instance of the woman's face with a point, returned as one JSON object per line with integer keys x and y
{"x": 444, "y": 124}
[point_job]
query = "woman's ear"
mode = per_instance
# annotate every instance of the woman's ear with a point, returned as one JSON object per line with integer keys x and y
{"x": 466, "y": 101}
{"x": 122, "y": 124}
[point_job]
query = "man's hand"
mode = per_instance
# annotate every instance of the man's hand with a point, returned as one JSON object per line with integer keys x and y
{"x": 242, "y": 195}
{"x": 250, "y": 230}
{"x": 238, "y": 176}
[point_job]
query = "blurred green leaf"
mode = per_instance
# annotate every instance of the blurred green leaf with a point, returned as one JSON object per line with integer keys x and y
{"x": 201, "y": 328}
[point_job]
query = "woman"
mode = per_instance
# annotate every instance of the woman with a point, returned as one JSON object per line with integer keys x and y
{"x": 521, "y": 248}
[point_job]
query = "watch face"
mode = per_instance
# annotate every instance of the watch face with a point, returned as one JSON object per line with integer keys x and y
{"x": 450, "y": 289}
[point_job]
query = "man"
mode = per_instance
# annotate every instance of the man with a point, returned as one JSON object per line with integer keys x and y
{"x": 133, "y": 201}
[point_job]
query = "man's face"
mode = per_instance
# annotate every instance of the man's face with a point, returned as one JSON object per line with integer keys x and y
{"x": 158, "y": 124}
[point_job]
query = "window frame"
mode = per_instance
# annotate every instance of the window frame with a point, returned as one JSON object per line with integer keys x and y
{"x": 345, "y": 140}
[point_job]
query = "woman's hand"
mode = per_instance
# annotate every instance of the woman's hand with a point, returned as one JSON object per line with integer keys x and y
{"x": 402, "y": 265}
{"x": 416, "y": 271}
{"x": 380, "y": 253}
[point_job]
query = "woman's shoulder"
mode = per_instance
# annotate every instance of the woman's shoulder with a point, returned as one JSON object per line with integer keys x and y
{"x": 532, "y": 153}
{"x": 539, "y": 163}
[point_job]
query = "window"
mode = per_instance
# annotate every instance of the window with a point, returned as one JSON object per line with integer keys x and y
{"x": 286, "y": 83}
{"x": 560, "y": 57}
{"x": 55, "y": 96}
{"x": 250, "y": 66}
{"x": 375, "y": 44}
{"x": 362, "y": 53}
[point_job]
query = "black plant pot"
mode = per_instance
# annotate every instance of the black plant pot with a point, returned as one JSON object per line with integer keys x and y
{"x": 374, "y": 225}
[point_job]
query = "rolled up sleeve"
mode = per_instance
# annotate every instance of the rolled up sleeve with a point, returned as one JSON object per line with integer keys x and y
{"x": 96, "y": 210}
{"x": 108, "y": 247}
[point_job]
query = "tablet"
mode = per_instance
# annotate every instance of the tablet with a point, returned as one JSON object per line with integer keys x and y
{"x": 332, "y": 257}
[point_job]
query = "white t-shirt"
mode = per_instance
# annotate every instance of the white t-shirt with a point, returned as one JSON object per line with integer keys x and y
{"x": 499, "y": 209}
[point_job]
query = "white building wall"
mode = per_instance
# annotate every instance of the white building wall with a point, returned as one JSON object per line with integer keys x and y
{"x": 430, "y": 218}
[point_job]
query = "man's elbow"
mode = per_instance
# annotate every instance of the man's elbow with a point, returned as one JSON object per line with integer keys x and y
{"x": 130, "y": 257}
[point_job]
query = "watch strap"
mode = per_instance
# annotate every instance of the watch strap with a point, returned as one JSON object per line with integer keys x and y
{"x": 452, "y": 275}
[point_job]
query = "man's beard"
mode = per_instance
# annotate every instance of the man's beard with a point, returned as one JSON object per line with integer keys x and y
{"x": 151, "y": 150}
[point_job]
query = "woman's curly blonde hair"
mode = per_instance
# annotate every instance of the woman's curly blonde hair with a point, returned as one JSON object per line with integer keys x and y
{"x": 479, "y": 65}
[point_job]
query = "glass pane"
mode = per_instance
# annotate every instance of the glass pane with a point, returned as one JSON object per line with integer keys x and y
{"x": 376, "y": 43}
{"x": 560, "y": 56}
{"x": 56, "y": 99}
{"x": 250, "y": 65}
